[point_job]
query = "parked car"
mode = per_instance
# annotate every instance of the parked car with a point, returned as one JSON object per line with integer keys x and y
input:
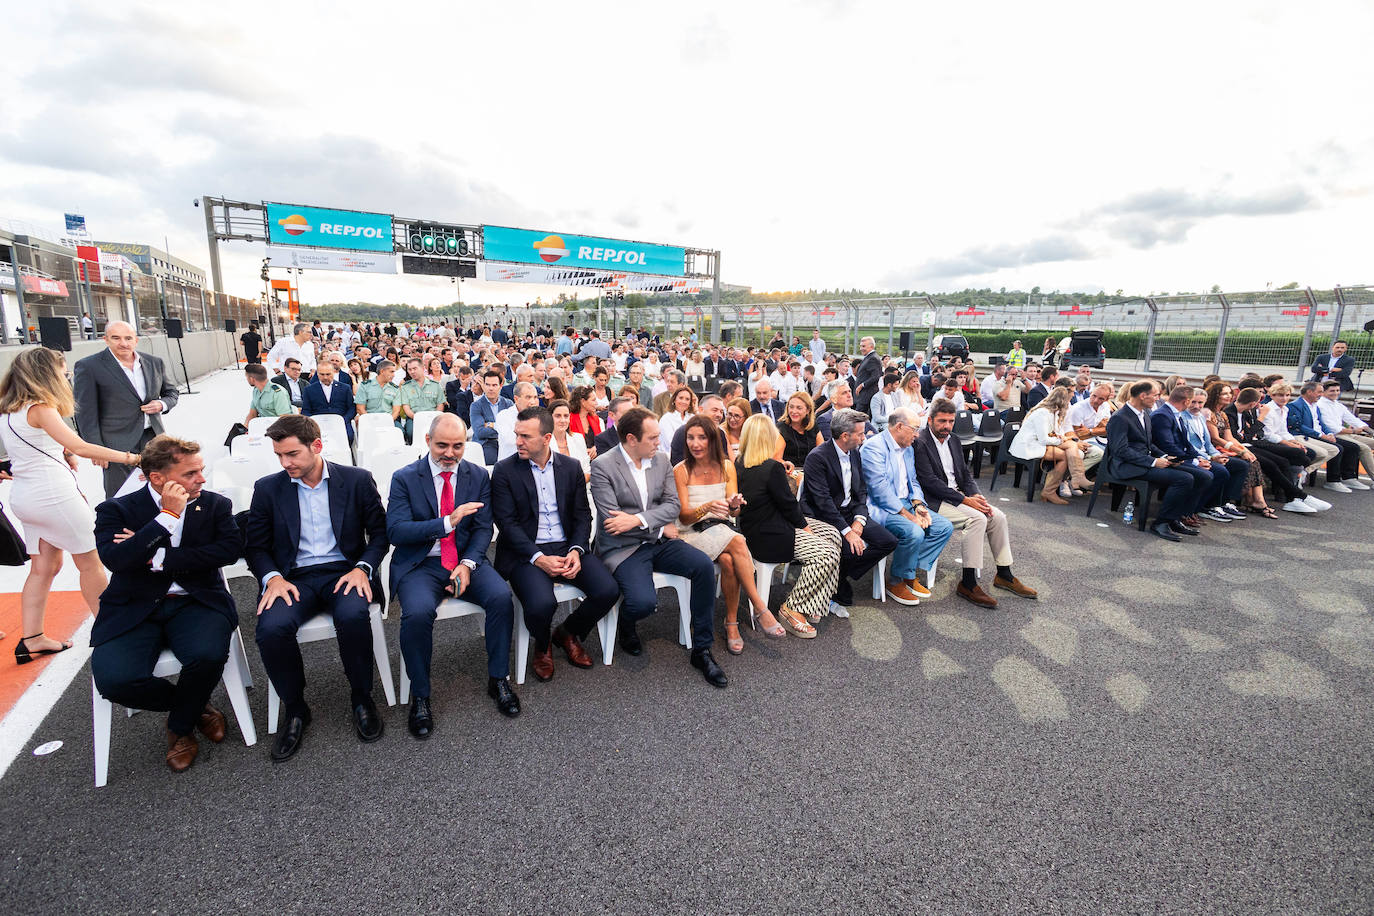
{"x": 949, "y": 345}
{"x": 1083, "y": 348}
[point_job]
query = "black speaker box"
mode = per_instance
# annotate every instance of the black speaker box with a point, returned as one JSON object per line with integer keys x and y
{"x": 726, "y": 335}
{"x": 906, "y": 341}
{"x": 230, "y": 325}
{"x": 55, "y": 333}
{"x": 173, "y": 326}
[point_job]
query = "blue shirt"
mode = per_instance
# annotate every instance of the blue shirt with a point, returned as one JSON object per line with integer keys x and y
{"x": 550, "y": 525}
{"x": 317, "y": 543}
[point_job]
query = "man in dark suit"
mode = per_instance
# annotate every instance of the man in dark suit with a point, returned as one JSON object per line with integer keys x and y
{"x": 328, "y": 395}
{"x": 764, "y": 402}
{"x": 1036, "y": 390}
{"x": 868, "y": 376}
{"x": 833, "y": 492}
{"x": 1132, "y": 455}
{"x": 439, "y": 519}
{"x": 608, "y": 438}
{"x": 164, "y": 545}
{"x": 540, "y": 506}
{"x": 316, "y": 539}
{"x": 1167, "y": 435}
{"x": 1335, "y": 366}
{"x": 458, "y": 393}
{"x": 121, "y": 395}
{"x": 841, "y": 398}
{"x": 291, "y": 380}
{"x": 709, "y": 406}
{"x": 950, "y": 489}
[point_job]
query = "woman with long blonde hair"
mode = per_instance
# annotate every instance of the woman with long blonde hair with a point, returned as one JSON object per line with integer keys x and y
{"x": 34, "y": 397}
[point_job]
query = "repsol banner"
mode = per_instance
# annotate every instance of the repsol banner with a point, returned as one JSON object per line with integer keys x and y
{"x": 529, "y": 246}
{"x": 316, "y": 227}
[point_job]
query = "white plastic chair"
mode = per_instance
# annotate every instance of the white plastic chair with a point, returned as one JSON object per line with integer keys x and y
{"x": 680, "y": 584}
{"x": 257, "y": 427}
{"x": 423, "y": 420}
{"x": 321, "y": 627}
{"x": 449, "y": 609}
{"x": 763, "y": 577}
{"x": 880, "y": 579}
{"x": 368, "y": 425}
{"x": 563, "y": 593}
{"x": 241, "y": 473}
{"x": 377, "y": 440}
{"x": 332, "y": 429}
{"x": 386, "y": 462}
{"x": 236, "y": 683}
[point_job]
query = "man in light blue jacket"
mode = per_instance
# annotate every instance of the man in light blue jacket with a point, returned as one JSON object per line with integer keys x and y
{"x": 896, "y": 502}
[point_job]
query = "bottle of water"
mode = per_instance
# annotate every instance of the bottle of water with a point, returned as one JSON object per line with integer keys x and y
{"x": 1128, "y": 515}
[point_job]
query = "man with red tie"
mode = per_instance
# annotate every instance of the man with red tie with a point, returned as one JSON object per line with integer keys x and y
{"x": 439, "y": 520}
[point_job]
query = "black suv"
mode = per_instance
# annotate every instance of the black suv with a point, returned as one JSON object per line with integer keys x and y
{"x": 950, "y": 345}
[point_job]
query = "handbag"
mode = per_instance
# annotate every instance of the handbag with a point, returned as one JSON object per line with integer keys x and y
{"x": 12, "y": 549}
{"x": 238, "y": 429}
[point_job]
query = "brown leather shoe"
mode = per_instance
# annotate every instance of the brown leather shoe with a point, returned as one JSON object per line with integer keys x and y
{"x": 1053, "y": 497}
{"x": 542, "y": 663}
{"x": 976, "y": 595}
{"x": 898, "y": 592}
{"x": 569, "y": 644}
{"x": 181, "y": 751}
{"x": 212, "y": 724}
{"x": 917, "y": 589}
{"x": 1015, "y": 586}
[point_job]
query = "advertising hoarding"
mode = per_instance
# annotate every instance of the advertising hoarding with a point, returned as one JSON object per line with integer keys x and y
{"x": 317, "y": 259}
{"x": 317, "y": 227}
{"x": 604, "y": 279}
{"x": 530, "y": 246}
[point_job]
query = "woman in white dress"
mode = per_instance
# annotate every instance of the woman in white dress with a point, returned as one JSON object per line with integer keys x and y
{"x": 575, "y": 445}
{"x": 652, "y": 367}
{"x": 34, "y": 397}
{"x": 680, "y": 410}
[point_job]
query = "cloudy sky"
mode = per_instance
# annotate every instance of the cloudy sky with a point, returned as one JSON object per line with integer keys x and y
{"x": 817, "y": 143}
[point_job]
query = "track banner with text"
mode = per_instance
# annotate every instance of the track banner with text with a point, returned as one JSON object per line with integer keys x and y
{"x": 315, "y": 227}
{"x": 315, "y": 259}
{"x": 528, "y": 246}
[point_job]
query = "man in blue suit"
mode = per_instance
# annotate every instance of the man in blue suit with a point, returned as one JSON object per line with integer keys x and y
{"x": 326, "y": 394}
{"x": 164, "y": 545}
{"x": 833, "y": 492}
{"x": 539, "y": 500}
{"x": 1132, "y": 455}
{"x": 439, "y": 519}
{"x": 1342, "y": 458}
{"x": 1169, "y": 433}
{"x": 482, "y": 416}
{"x": 316, "y": 538}
{"x": 896, "y": 502}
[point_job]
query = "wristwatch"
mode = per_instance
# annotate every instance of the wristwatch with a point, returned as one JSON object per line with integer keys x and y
{"x": 468, "y": 563}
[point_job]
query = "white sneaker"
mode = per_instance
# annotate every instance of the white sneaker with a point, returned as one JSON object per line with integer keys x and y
{"x": 1065, "y": 491}
{"x": 1336, "y": 486}
{"x": 1298, "y": 505}
{"x": 1320, "y": 505}
{"x": 839, "y": 610}
{"x": 1356, "y": 484}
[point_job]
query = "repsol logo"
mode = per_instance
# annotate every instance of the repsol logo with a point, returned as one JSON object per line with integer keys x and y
{"x": 611, "y": 255}
{"x": 366, "y": 232}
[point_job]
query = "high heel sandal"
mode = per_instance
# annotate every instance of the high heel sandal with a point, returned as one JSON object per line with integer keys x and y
{"x": 774, "y": 631}
{"x": 733, "y": 644}
{"x": 796, "y": 624}
{"x": 22, "y": 654}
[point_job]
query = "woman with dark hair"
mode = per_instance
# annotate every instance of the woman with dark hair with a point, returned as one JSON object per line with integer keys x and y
{"x": 1279, "y": 462}
{"x": 583, "y": 414}
{"x": 556, "y": 390}
{"x": 736, "y": 412}
{"x": 601, "y": 392}
{"x": 710, "y": 502}
{"x": 573, "y": 446}
{"x": 1051, "y": 348}
{"x": 1219, "y": 397}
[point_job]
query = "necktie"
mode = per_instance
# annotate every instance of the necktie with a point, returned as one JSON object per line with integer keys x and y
{"x": 448, "y": 549}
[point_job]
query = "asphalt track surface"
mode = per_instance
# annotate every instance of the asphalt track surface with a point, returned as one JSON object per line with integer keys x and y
{"x": 1171, "y": 728}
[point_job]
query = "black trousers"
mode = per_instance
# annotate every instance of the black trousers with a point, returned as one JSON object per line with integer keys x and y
{"x": 1280, "y": 474}
{"x": 278, "y": 623}
{"x": 198, "y": 636}
{"x": 878, "y": 543}
{"x": 534, "y": 589}
{"x": 1348, "y": 461}
{"x": 115, "y": 474}
{"x": 1181, "y": 497}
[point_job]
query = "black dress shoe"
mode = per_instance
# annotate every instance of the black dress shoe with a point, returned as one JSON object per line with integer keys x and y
{"x": 844, "y": 592}
{"x": 292, "y": 733}
{"x": 1164, "y": 530}
{"x": 630, "y": 642}
{"x": 366, "y": 722}
{"x": 1183, "y": 528}
{"x": 421, "y": 722}
{"x": 714, "y": 674}
{"x": 500, "y": 690}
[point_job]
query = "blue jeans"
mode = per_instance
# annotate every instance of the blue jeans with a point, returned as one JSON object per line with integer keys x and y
{"x": 917, "y": 547}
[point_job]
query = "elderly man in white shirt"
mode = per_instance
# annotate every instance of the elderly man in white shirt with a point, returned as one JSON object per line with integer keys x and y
{"x": 1088, "y": 420}
{"x": 1337, "y": 419}
{"x": 299, "y": 346}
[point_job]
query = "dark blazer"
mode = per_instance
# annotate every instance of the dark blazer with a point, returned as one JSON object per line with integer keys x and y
{"x": 823, "y": 425}
{"x": 607, "y": 440}
{"x": 480, "y": 414}
{"x": 1340, "y": 372}
{"x": 778, "y": 407}
{"x": 677, "y": 450}
{"x": 823, "y": 487}
{"x": 1037, "y": 393}
{"x": 729, "y": 369}
{"x": 355, "y": 512}
{"x": 209, "y": 540}
{"x": 712, "y": 366}
{"x": 930, "y": 471}
{"x": 1167, "y": 437}
{"x": 285, "y": 383}
{"x": 1130, "y": 451}
{"x": 869, "y": 374}
{"x": 515, "y": 508}
{"x": 108, "y": 408}
{"x": 340, "y": 402}
{"x": 458, "y": 399}
{"x": 413, "y": 522}
{"x": 771, "y": 516}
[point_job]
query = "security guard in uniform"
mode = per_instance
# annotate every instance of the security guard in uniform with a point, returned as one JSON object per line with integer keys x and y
{"x": 269, "y": 399}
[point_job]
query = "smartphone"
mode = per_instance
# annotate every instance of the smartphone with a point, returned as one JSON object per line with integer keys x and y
{"x": 6, "y": 467}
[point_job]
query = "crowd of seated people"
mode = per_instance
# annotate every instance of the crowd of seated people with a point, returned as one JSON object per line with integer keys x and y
{"x": 548, "y": 458}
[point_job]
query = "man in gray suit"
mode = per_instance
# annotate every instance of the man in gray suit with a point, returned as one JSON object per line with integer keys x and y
{"x": 121, "y": 395}
{"x": 633, "y": 488}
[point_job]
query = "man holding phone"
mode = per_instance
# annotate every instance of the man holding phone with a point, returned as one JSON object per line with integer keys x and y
{"x": 1132, "y": 455}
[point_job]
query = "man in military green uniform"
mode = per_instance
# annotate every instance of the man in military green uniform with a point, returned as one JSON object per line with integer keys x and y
{"x": 379, "y": 394}
{"x": 269, "y": 399}
{"x": 417, "y": 394}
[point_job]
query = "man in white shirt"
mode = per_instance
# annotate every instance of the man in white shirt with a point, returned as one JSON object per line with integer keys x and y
{"x": 786, "y": 380}
{"x": 1089, "y": 417}
{"x": 299, "y": 346}
{"x": 1337, "y": 419}
{"x": 988, "y": 390}
{"x": 523, "y": 395}
{"x": 817, "y": 347}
